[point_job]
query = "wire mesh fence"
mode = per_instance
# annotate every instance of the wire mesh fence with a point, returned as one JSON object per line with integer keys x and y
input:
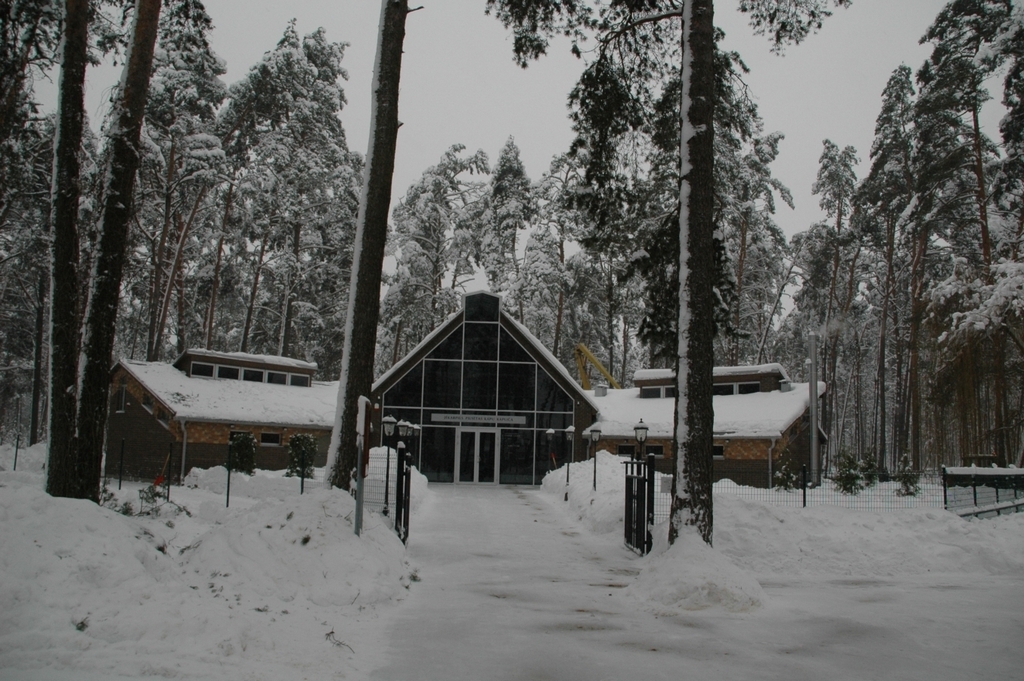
{"x": 984, "y": 492}
{"x": 875, "y": 492}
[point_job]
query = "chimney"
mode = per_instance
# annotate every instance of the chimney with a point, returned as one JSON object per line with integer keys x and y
{"x": 601, "y": 390}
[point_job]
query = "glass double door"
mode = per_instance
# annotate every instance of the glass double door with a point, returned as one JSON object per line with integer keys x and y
{"x": 478, "y": 459}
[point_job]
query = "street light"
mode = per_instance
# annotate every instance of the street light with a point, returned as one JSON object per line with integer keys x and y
{"x": 595, "y": 435}
{"x": 640, "y": 431}
{"x": 416, "y": 442}
{"x": 389, "y": 429}
{"x": 570, "y": 434}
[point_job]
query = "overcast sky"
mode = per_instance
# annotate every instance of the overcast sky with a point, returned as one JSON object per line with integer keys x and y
{"x": 459, "y": 84}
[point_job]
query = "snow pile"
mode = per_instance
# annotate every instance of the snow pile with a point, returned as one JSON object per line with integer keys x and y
{"x": 832, "y": 541}
{"x": 693, "y": 576}
{"x": 778, "y": 542}
{"x": 256, "y": 589}
{"x": 29, "y": 458}
{"x": 600, "y": 511}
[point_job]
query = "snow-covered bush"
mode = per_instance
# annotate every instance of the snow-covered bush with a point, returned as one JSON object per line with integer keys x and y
{"x": 908, "y": 478}
{"x": 787, "y": 475}
{"x": 301, "y": 452}
{"x": 243, "y": 453}
{"x": 849, "y": 477}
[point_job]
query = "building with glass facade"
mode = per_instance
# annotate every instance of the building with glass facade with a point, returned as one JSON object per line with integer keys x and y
{"x": 493, "y": 405}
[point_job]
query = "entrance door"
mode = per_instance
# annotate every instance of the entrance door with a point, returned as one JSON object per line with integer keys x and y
{"x": 478, "y": 455}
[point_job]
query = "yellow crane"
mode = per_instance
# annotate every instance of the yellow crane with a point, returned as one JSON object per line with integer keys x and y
{"x": 584, "y": 355}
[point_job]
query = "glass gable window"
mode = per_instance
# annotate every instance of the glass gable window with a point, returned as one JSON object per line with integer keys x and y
{"x": 481, "y": 342}
{"x": 550, "y": 397}
{"x": 482, "y": 307}
{"x": 406, "y": 393}
{"x": 442, "y": 381}
{"x": 512, "y": 351}
{"x": 482, "y": 380}
{"x": 516, "y": 386}
{"x": 450, "y": 347}
{"x": 480, "y": 385}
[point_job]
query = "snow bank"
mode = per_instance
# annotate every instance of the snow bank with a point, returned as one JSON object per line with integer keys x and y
{"x": 693, "y": 576}
{"x": 778, "y": 542}
{"x": 600, "y": 511}
{"x": 830, "y": 541}
{"x": 253, "y": 589}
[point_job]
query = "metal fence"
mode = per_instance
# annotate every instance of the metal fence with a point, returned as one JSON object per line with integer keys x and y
{"x": 984, "y": 492}
{"x": 876, "y": 492}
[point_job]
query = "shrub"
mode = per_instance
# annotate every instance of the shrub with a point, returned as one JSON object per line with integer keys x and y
{"x": 788, "y": 475}
{"x": 869, "y": 471}
{"x": 243, "y": 453}
{"x": 301, "y": 448}
{"x": 848, "y": 478}
{"x": 908, "y": 478}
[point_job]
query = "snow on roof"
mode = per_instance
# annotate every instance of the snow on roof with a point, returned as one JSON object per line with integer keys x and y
{"x": 653, "y": 374}
{"x": 756, "y": 369}
{"x": 227, "y": 401}
{"x": 773, "y": 368}
{"x": 757, "y": 415}
{"x": 248, "y": 357}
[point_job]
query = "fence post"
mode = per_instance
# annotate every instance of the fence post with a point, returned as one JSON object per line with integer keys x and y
{"x": 170, "y": 467}
{"x": 17, "y": 441}
{"x": 803, "y": 482}
{"x": 120, "y": 467}
{"x": 945, "y": 490}
{"x": 974, "y": 487}
{"x": 302, "y": 470}
{"x": 227, "y": 499}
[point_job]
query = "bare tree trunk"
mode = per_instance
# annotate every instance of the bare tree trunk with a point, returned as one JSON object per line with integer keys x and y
{"x": 101, "y": 309}
{"x": 211, "y": 311}
{"x": 694, "y": 416}
{"x": 251, "y": 309}
{"x": 561, "y": 301}
{"x": 37, "y": 360}
{"x": 159, "y": 260}
{"x": 371, "y": 233}
{"x": 883, "y": 326}
{"x": 292, "y": 283}
{"x": 62, "y": 468}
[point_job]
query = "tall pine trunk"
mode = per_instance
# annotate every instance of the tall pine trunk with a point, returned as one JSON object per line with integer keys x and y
{"x": 101, "y": 308}
{"x": 694, "y": 416}
{"x": 371, "y": 233}
{"x": 62, "y": 468}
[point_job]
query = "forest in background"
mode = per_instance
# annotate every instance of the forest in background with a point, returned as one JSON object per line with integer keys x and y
{"x": 246, "y": 202}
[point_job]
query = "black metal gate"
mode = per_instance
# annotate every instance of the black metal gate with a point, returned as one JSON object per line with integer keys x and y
{"x": 639, "y": 515}
{"x": 403, "y": 490}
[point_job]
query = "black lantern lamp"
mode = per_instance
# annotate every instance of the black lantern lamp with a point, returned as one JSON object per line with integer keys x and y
{"x": 640, "y": 431}
{"x": 595, "y": 436}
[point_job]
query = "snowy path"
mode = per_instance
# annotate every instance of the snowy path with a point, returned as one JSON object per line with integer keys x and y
{"x": 512, "y": 590}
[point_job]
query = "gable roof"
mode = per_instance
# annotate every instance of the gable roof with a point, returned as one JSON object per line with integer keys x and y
{"x": 753, "y": 416}
{"x": 522, "y": 335}
{"x": 242, "y": 402}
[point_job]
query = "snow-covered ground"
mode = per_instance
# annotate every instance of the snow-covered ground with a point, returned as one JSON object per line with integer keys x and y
{"x": 506, "y": 583}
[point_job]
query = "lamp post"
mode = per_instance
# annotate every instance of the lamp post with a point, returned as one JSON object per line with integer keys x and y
{"x": 570, "y": 435}
{"x": 389, "y": 429}
{"x": 415, "y": 444}
{"x": 595, "y": 435}
{"x": 640, "y": 431}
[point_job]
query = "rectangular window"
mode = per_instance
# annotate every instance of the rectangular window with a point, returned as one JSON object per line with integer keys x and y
{"x": 670, "y": 391}
{"x": 647, "y": 393}
{"x": 719, "y": 451}
{"x": 270, "y": 439}
{"x": 656, "y": 450}
{"x": 300, "y": 380}
{"x": 749, "y": 388}
{"x": 253, "y": 375}
{"x": 147, "y": 401}
{"x": 201, "y": 369}
{"x": 162, "y": 416}
{"x": 122, "y": 397}
{"x": 628, "y": 451}
{"x": 723, "y": 389}
{"x": 227, "y": 372}
{"x": 277, "y": 378}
